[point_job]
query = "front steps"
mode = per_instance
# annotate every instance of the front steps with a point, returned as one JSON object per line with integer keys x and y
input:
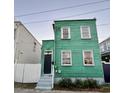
{"x": 45, "y": 82}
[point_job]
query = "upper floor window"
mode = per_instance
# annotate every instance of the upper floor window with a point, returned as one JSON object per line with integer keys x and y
{"x": 88, "y": 59}
{"x": 34, "y": 48}
{"x": 85, "y": 32}
{"x": 65, "y": 33}
{"x": 66, "y": 58}
{"x": 108, "y": 45}
{"x": 101, "y": 48}
{"x": 14, "y": 34}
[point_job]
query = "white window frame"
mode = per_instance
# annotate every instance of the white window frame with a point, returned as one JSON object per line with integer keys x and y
{"x": 69, "y": 36}
{"x": 93, "y": 64}
{"x": 88, "y": 30}
{"x": 45, "y": 53}
{"x": 62, "y": 58}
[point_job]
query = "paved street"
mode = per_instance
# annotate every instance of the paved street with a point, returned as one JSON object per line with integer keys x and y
{"x": 19, "y": 90}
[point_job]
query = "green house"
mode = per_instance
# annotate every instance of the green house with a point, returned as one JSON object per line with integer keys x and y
{"x": 74, "y": 53}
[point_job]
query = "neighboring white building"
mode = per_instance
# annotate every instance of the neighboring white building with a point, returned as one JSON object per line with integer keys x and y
{"x": 105, "y": 46}
{"x": 27, "y": 55}
{"x": 105, "y": 57}
{"x": 105, "y": 50}
{"x": 27, "y": 48}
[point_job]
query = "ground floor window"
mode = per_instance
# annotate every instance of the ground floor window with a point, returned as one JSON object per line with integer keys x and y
{"x": 66, "y": 57}
{"x": 88, "y": 59}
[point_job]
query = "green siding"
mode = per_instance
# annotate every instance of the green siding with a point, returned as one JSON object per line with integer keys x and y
{"x": 76, "y": 45}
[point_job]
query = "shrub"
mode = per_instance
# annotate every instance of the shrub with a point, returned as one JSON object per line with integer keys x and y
{"x": 90, "y": 83}
{"x": 78, "y": 83}
{"x": 65, "y": 83}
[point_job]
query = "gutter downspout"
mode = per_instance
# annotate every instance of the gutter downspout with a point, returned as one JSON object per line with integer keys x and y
{"x": 54, "y": 59}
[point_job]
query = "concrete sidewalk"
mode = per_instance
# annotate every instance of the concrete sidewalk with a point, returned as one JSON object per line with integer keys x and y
{"x": 19, "y": 90}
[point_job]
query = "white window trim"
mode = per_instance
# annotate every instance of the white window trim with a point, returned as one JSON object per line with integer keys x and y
{"x": 92, "y": 59}
{"x": 88, "y": 30}
{"x": 69, "y": 36}
{"x": 45, "y": 53}
{"x": 62, "y": 58}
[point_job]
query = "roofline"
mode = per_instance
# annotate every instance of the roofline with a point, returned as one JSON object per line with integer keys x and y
{"x": 104, "y": 40}
{"x": 27, "y": 30}
{"x": 75, "y": 20}
{"x": 17, "y": 21}
{"x": 49, "y": 40}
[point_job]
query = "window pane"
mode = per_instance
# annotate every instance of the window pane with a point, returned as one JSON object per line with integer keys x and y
{"x": 88, "y": 61}
{"x": 88, "y": 54}
{"x": 88, "y": 57}
{"x": 66, "y": 54}
{"x": 65, "y": 29}
{"x": 66, "y": 61}
{"x": 66, "y": 57}
{"x": 85, "y": 32}
{"x": 65, "y": 33}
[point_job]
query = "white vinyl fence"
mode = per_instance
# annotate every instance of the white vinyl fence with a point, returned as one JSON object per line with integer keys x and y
{"x": 27, "y": 73}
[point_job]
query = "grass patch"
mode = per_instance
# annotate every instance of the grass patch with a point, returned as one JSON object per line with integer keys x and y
{"x": 24, "y": 85}
{"x": 104, "y": 87}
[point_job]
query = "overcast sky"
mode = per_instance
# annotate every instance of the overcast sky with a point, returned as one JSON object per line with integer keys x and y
{"x": 44, "y": 30}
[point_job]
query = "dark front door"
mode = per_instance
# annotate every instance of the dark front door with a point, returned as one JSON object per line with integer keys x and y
{"x": 47, "y": 64}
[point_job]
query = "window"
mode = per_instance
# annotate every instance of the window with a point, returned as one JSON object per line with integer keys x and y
{"x": 101, "y": 48}
{"x": 65, "y": 33}
{"x": 66, "y": 57}
{"x": 34, "y": 48}
{"x": 14, "y": 34}
{"x": 108, "y": 45}
{"x": 105, "y": 46}
{"x": 88, "y": 57}
{"x": 85, "y": 32}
